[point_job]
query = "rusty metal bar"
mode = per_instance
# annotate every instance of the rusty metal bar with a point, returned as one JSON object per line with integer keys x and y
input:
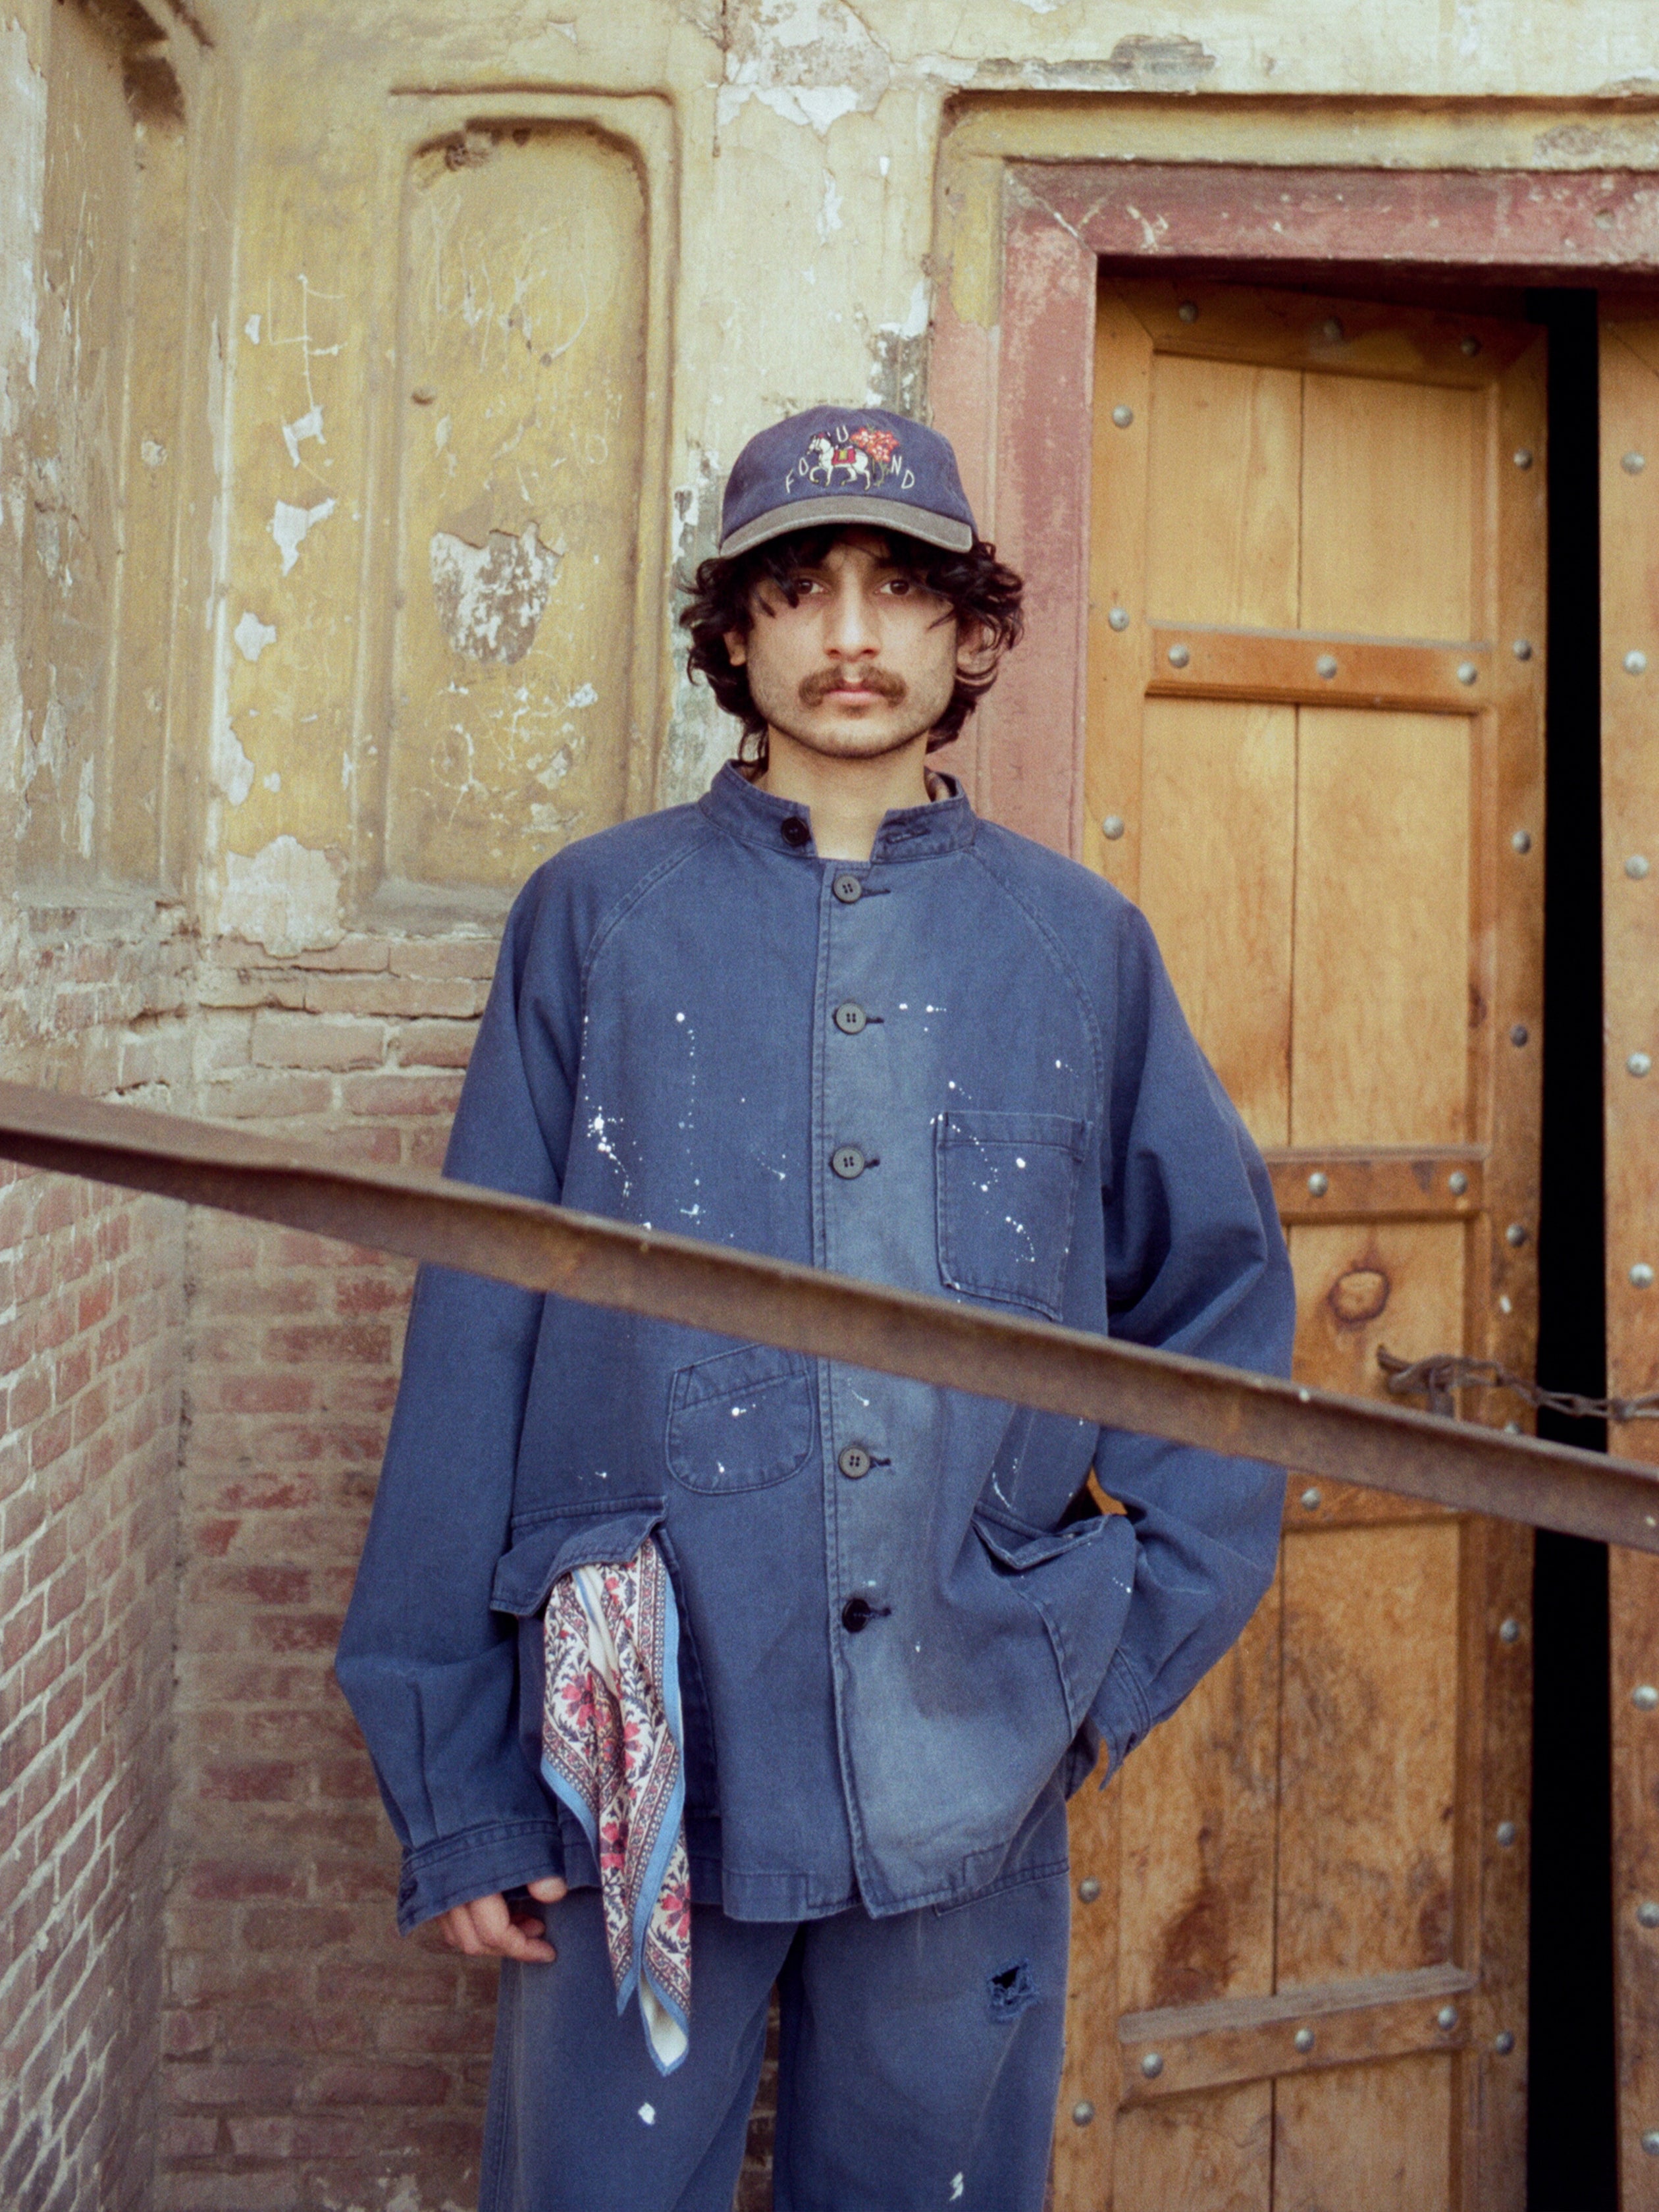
{"x": 746, "y": 1296}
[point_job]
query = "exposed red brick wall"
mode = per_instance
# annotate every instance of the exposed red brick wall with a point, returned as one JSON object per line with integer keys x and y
{"x": 203, "y": 2004}
{"x": 312, "y": 2056}
{"x": 90, "y": 1334}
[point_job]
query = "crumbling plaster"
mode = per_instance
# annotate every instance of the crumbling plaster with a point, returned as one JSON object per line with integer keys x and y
{"x": 807, "y": 136}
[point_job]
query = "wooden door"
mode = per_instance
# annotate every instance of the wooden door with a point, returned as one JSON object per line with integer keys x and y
{"x": 1315, "y": 759}
{"x": 1630, "y": 865}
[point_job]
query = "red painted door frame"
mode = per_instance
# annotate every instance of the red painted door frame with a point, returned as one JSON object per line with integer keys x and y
{"x": 1018, "y": 400}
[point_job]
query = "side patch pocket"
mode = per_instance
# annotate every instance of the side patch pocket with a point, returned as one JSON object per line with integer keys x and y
{"x": 1007, "y": 1196}
{"x": 743, "y": 1420}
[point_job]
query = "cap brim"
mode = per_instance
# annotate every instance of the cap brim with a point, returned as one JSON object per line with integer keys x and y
{"x": 850, "y": 507}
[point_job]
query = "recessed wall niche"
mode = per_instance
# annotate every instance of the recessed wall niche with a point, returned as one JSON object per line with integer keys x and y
{"x": 521, "y": 405}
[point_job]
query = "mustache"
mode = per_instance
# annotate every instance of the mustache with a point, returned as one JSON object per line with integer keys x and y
{"x": 814, "y": 689}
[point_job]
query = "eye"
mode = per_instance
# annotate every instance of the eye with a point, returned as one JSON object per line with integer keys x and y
{"x": 900, "y": 586}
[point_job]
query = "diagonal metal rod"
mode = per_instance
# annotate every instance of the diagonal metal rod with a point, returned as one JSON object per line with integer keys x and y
{"x": 756, "y": 1299}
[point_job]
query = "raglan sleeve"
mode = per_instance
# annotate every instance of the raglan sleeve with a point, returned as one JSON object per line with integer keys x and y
{"x": 1196, "y": 1263}
{"x": 428, "y": 1670}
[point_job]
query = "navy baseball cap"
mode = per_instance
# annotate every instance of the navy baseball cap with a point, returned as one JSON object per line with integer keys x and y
{"x": 845, "y": 464}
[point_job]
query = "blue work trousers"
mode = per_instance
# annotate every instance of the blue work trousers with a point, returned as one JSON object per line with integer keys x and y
{"x": 918, "y": 2064}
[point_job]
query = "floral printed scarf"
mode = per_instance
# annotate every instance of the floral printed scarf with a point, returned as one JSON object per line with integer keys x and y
{"x": 613, "y": 1751}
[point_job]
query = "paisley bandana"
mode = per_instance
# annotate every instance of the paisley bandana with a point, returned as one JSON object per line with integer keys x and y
{"x": 611, "y": 1750}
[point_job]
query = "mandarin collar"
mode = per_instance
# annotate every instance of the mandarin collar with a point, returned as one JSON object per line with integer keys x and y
{"x": 907, "y": 833}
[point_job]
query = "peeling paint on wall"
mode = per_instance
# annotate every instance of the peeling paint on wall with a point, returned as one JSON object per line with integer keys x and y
{"x": 308, "y": 425}
{"x": 899, "y": 359}
{"x": 490, "y": 598}
{"x": 232, "y": 771}
{"x": 699, "y": 735}
{"x": 290, "y": 526}
{"x": 252, "y": 636}
{"x": 23, "y": 184}
{"x": 286, "y": 897}
{"x": 809, "y": 61}
{"x": 84, "y": 813}
{"x": 1160, "y": 64}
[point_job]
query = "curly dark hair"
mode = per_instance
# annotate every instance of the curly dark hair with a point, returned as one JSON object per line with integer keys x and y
{"x": 977, "y": 586}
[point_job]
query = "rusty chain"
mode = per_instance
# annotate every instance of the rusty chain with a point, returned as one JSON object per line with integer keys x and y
{"x": 1439, "y": 1377}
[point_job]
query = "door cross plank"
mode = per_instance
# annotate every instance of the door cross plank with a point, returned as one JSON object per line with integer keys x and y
{"x": 1408, "y": 1182}
{"x": 1304, "y": 668}
{"x": 1181, "y": 2048}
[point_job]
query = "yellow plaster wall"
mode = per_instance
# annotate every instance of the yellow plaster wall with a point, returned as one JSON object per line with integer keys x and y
{"x": 715, "y": 211}
{"x": 733, "y": 208}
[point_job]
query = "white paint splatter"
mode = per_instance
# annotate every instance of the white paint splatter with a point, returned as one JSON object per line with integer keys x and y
{"x": 252, "y": 329}
{"x": 290, "y": 526}
{"x": 273, "y": 782}
{"x": 286, "y": 897}
{"x": 648, "y": 2114}
{"x": 587, "y": 696}
{"x": 153, "y": 455}
{"x": 308, "y": 425}
{"x": 252, "y": 636}
{"x": 232, "y": 771}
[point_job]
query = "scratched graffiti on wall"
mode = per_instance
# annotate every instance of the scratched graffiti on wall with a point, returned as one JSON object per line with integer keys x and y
{"x": 521, "y": 405}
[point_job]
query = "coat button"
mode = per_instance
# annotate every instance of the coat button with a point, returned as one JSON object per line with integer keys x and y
{"x": 848, "y": 890}
{"x": 850, "y": 1018}
{"x": 858, "y": 1612}
{"x": 848, "y": 1162}
{"x": 854, "y": 1460}
{"x": 795, "y": 831}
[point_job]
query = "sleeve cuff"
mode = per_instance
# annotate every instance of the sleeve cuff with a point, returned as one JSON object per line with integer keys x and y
{"x": 1120, "y": 1712}
{"x": 478, "y": 1862}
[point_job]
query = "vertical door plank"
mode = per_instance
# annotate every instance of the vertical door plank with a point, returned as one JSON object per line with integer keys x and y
{"x": 1363, "y": 2137}
{"x": 1388, "y": 487}
{"x": 1380, "y": 1017}
{"x": 1224, "y": 479}
{"x": 1118, "y": 640}
{"x": 1506, "y": 1096}
{"x": 1368, "y": 1768}
{"x": 1213, "y": 2152}
{"x": 1197, "y": 1840}
{"x": 1218, "y": 798}
{"x": 1091, "y": 2081}
{"x": 1630, "y": 788}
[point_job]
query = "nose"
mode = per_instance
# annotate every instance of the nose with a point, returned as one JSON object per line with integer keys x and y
{"x": 851, "y": 631}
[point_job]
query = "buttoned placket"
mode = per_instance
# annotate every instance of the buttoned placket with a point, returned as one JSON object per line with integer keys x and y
{"x": 875, "y": 1209}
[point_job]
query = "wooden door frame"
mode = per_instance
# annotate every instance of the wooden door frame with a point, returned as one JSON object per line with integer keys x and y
{"x": 1033, "y": 197}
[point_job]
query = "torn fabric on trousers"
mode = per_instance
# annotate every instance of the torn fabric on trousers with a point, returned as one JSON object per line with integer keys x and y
{"x": 612, "y": 1749}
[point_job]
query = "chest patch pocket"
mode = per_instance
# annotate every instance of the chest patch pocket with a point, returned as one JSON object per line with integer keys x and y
{"x": 742, "y": 1420}
{"x": 1007, "y": 1194}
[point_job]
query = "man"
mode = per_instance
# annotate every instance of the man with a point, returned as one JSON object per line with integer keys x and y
{"x": 825, "y": 1013}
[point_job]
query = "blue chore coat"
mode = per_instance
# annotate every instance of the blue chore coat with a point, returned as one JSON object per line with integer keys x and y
{"x": 959, "y": 1068}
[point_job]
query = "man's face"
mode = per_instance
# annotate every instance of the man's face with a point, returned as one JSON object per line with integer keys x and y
{"x": 863, "y": 663}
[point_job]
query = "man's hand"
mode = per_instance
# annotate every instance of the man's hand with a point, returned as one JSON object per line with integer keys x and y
{"x": 489, "y": 1928}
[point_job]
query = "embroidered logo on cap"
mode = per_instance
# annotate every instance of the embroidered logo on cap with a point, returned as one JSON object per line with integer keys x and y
{"x": 863, "y": 459}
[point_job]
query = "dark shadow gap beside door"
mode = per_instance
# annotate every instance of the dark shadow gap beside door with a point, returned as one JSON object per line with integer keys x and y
{"x": 1572, "y": 2163}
